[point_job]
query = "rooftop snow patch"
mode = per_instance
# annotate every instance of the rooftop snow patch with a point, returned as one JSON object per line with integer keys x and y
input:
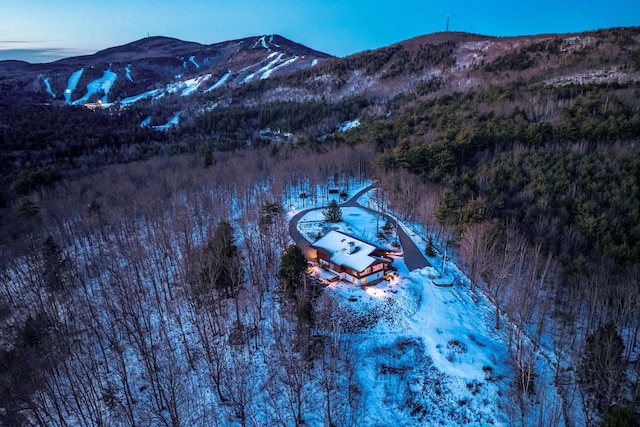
{"x": 347, "y": 251}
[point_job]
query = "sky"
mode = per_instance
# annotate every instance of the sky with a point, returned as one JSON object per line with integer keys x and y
{"x": 46, "y": 30}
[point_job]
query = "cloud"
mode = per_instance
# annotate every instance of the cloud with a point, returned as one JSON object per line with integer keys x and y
{"x": 36, "y": 55}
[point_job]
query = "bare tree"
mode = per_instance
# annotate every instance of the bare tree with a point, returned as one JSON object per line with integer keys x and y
{"x": 475, "y": 248}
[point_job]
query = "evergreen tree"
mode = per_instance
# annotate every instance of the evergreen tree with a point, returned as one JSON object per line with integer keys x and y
{"x": 621, "y": 416}
{"x": 602, "y": 374}
{"x": 221, "y": 268}
{"x": 430, "y": 250}
{"x": 292, "y": 268}
{"x": 53, "y": 265}
{"x": 387, "y": 227}
{"x": 268, "y": 211}
{"x": 333, "y": 213}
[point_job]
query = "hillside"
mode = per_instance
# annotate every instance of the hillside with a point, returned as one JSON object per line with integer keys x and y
{"x": 146, "y": 192}
{"x": 138, "y": 70}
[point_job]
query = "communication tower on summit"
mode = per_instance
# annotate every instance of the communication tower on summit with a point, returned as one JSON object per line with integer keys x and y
{"x": 447, "y": 23}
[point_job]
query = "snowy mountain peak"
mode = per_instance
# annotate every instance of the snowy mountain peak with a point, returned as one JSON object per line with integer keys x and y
{"x": 153, "y": 67}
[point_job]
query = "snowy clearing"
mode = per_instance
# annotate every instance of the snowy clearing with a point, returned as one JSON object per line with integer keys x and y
{"x": 102, "y": 84}
{"x": 173, "y": 121}
{"x": 267, "y": 73}
{"x": 48, "y": 87}
{"x": 156, "y": 93}
{"x": 262, "y": 42}
{"x": 349, "y": 124}
{"x": 72, "y": 84}
{"x": 127, "y": 70}
{"x": 192, "y": 85}
{"x": 220, "y": 82}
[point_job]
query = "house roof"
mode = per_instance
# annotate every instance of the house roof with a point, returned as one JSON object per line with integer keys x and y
{"x": 338, "y": 245}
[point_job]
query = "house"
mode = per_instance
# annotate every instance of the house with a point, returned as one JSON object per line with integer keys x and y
{"x": 352, "y": 259}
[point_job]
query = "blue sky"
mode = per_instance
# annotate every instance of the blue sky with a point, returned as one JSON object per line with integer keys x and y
{"x": 45, "y": 30}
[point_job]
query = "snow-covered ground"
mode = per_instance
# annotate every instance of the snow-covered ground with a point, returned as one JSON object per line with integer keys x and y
{"x": 428, "y": 355}
{"x": 349, "y": 124}
{"x": 599, "y": 76}
{"x": 408, "y": 353}
{"x": 48, "y": 86}
{"x": 268, "y": 72}
{"x": 155, "y": 93}
{"x": 173, "y": 121}
{"x": 183, "y": 87}
{"x": 264, "y": 69}
{"x": 357, "y": 222}
{"x": 189, "y": 87}
{"x": 72, "y": 84}
{"x": 220, "y": 82}
{"x": 146, "y": 122}
{"x": 262, "y": 41}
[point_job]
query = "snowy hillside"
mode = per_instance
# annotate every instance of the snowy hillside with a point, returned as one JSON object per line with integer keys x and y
{"x": 139, "y": 68}
{"x": 429, "y": 353}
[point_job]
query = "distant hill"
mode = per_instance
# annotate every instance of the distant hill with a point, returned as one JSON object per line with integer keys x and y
{"x": 157, "y": 66}
{"x": 149, "y": 64}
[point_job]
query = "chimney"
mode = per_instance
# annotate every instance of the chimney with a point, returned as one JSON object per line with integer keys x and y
{"x": 351, "y": 247}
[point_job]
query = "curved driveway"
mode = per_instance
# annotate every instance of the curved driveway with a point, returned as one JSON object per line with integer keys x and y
{"x": 413, "y": 257}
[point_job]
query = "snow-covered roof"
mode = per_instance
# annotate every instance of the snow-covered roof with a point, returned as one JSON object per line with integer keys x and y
{"x": 339, "y": 246}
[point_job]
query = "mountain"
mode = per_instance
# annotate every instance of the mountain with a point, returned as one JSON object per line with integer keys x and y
{"x": 461, "y": 62}
{"x": 151, "y": 68}
{"x": 157, "y": 66}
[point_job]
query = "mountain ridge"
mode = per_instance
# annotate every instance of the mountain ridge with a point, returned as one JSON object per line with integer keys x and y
{"x": 148, "y": 64}
{"x": 460, "y": 60}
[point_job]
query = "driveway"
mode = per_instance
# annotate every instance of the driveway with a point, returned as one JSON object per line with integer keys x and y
{"x": 413, "y": 257}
